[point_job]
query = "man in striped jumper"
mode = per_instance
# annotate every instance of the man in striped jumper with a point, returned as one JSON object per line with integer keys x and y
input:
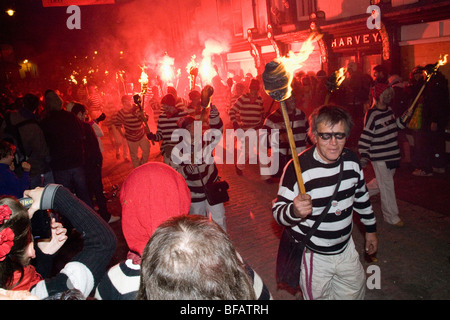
{"x": 247, "y": 113}
{"x": 275, "y": 121}
{"x": 167, "y": 123}
{"x": 379, "y": 144}
{"x": 331, "y": 268}
{"x": 200, "y": 173}
{"x": 128, "y": 118}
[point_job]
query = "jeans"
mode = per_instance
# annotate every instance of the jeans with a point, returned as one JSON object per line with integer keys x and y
{"x": 74, "y": 179}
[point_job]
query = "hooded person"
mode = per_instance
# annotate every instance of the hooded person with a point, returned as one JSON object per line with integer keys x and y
{"x": 151, "y": 194}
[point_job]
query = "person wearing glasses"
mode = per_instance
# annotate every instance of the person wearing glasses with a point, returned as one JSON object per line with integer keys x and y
{"x": 330, "y": 268}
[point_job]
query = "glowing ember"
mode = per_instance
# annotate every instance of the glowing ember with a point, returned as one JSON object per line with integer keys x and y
{"x": 72, "y": 78}
{"x": 279, "y": 73}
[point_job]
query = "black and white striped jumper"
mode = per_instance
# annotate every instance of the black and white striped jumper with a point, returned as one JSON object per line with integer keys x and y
{"x": 378, "y": 141}
{"x": 299, "y": 125}
{"x": 166, "y": 126}
{"x": 134, "y": 128}
{"x": 248, "y": 114}
{"x": 208, "y": 173}
{"x": 320, "y": 180}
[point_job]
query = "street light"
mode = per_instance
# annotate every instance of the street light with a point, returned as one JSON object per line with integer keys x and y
{"x": 10, "y": 12}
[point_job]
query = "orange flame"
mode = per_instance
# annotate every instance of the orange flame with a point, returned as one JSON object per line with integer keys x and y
{"x": 294, "y": 61}
{"x": 440, "y": 63}
{"x": 340, "y": 76}
{"x": 191, "y": 65}
{"x": 143, "y": 80}
{"x": 443, "y": 61}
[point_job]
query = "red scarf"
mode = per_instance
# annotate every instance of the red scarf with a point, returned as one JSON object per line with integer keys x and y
{"x": 30, "y": 278}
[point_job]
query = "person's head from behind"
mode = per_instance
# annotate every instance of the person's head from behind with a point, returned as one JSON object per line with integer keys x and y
{"x": 329, "y": 130}
{"x": 151, "y": 194}
{"x": 16, "y": 241}
{"x": 192, "y": 258}
{"x": 7, "y": 151}
{"x": 382, "y": 94}
{"x": 172, "y": 91}
{"x": 195, "y": 98}
{"x": 31, "y": 102}
{"x": 52, "y": 100}
{"x": 79, "y": 110}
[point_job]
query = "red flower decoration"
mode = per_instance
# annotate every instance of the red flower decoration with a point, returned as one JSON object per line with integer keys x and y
{"x": 6, "y": 242}
{"x": 5, "y": 213}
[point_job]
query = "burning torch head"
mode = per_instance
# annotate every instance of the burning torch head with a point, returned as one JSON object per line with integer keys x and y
{"x": 276, "y": 81}
{"x": 193, "y": 71}
{"x": 206, "y": 94}
{"x": 137, "y": 99}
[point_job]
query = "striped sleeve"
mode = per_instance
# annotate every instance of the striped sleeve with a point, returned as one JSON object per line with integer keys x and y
{"x": 120, "y": 283}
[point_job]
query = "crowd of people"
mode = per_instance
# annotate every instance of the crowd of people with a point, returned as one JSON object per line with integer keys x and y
{"x": 51, "y": 152}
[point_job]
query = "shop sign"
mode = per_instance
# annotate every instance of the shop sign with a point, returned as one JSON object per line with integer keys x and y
{"x": 356, "y": 40}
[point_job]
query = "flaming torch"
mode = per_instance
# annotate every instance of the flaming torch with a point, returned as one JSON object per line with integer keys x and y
{"x": 408, "y": 113}
{"x": 192, "y": 69}
{"x": 334, "y": 81}
{"x": 137, "y": 99}
{"x": 143, "y": 80}
{"x": 277, "y": 78}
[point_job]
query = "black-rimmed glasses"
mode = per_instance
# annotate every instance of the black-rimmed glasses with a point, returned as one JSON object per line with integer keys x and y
{"x": 327, "y": 135}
